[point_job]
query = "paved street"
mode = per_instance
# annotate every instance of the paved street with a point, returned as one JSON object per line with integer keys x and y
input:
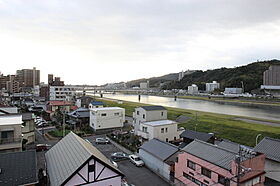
{"x": 136, "y": 175}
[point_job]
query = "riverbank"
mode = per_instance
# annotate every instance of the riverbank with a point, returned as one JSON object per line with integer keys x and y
{"x": 224, "y": 126}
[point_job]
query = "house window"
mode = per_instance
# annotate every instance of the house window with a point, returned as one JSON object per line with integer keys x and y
{"x": 166, "y": 129}
{"x": 144, "y": 129}
{"x": 191, "y": 165}
{"x": 143, "y": 116}
{"x": 166, "y": 139}
{"x": 224, "y": 181}
{"x": 91, "y": 168}
{"x": 161, "y": 113}
{"x": 103, "y": 114}
{"x": 162, "y": 130}
{"x": 137, "y": 112}
{"x": 174, "y": 138}
{"x": 206, "y": 172}
{"x": 117, "y": 114}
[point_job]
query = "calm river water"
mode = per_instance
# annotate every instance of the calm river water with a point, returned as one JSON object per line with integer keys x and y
{"x": 201, "y": 105}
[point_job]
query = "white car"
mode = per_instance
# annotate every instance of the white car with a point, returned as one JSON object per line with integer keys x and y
{"x": 136, "y": 160}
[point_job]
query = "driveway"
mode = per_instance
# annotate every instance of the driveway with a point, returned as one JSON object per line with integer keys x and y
{"x": 136, "y": 175}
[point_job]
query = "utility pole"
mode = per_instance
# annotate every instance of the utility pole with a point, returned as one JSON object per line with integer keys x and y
{"x": 238, "y": 161}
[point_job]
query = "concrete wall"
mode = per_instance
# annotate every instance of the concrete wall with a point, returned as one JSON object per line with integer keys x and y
{"x": 156, "y": 165}
{"x": 13, "y": 146}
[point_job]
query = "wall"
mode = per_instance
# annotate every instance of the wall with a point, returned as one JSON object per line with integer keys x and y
{"x": 181, "y": 166}
{"x": 98, "y": 122}
{"x": 15, "y": 146}
{"x": 172, "y": 131}
{"x": 272, "y": 165}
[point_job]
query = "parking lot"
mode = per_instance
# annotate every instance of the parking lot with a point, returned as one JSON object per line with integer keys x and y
{"x": 136, "y": 175}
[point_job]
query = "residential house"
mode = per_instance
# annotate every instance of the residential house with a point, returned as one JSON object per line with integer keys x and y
{"x": 190, "y": 135}
{"x": 18, "y": 168}
{"x": 202, "y": 163}
{"x": 271, "y": 148}
{"x": 84, "y": 101}
{"x": 10, "y": 133}
{"x": 106, "y": 118}
{"x": 79, "y": 116}
{"x": 28, "y": 129}
{"x": 151, "y": 122}
{"x": 64, "y": 106}
{"x": 74, "y": 161}
{"x": 160, "y": 157}
{"x": 96, "y": 104}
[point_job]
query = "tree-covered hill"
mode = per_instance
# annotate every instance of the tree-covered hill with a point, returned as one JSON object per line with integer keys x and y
{"x": 251, "y": 75}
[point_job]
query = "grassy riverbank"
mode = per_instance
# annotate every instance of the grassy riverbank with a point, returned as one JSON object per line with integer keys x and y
{"x": 224, "y": 126}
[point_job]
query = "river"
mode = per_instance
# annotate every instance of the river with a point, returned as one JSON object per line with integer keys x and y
{"x": 202, "y": 105}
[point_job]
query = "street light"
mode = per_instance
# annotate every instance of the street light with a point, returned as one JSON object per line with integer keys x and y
{"x": 257, "y": 138}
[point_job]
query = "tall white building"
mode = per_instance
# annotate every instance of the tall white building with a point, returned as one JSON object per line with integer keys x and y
{"x": 210, "y": 87}
{"x": 181, "y": 75}
{"x": 106, "y": 118}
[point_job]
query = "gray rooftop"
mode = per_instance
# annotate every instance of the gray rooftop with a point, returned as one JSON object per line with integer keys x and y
{"x": 159, "y": 149}
{"x": 270, "y": 147}
{"x": 80, "y": 113}
{"x": 68, "y": 155}
{"x": 211, "y": 153}
{"x": 148, "y": 108}
{"x": 18, "y": 168}
{"x": 196, "y": 135}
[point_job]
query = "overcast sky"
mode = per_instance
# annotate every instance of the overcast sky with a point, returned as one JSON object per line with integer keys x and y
{"x": 102, "y": 41}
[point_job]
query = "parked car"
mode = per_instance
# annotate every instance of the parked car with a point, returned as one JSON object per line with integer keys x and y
{"x": 102, "y": 141}
{"x": 117, "y": 156}
{"x": 42, "y": 147}
{"x": 136, "y": 160}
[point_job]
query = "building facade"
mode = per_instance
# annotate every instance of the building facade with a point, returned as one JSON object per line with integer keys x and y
{"x": 28, "y": 129}
{"x": 106, "y": 118}
{"x": 233, "y": 91}
{"x": 193, "y": 89}
{"x": 28, "y": 78}
{"x": 61, "y": 93}
{"x": 272, "y": 76}
{"x": 210, "y": 87}
{"x": 10, "y": 133}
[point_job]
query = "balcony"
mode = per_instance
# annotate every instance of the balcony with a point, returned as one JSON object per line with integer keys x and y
{"x": 144, "y": 135}
{"x": 9, "y": 140}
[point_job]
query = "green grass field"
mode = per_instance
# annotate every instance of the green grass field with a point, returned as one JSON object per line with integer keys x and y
{"x": 224, "y": 126}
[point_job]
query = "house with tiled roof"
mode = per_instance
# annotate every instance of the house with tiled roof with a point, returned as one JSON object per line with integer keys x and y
{"x": 202, "y": 163}
{"x": 271, "y": 148}
{"x": 74, "y": 161}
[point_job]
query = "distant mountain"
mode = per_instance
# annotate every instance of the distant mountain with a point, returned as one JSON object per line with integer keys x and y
{"x": 251, "y": 75}
{"x": 154, "y": 81}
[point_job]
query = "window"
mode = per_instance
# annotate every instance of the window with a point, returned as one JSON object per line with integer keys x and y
{"x": 91, "y": 168}
{"x": 192, "y": 179}
{"x": 116, "y": 114}
{"x": 191, "y": 165}
{"x": 161, "y": 113}
{"x": 24, "y": 123}
{"x": 166, "y": 129}
{"x": 253, "y": 181}
{"x": 143, "y": 116}
{"x": 174, "y": 138}
{"x": 144, "y": 129}
{"x": 162, "y": 130}
{"x": 224, "y": 181}
{"x": 103, "y": 114}
{"x": 206, "y": 172}
{"x": 137, "y": 112}
{"x": 166, "y": 139}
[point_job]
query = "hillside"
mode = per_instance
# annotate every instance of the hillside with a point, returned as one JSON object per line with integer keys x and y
{"x": 154, "y": 81}
{"x": 251, "y": 75}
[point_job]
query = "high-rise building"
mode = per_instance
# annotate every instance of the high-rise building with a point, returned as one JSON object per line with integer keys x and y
{"x": 272, "y": 76}
{"x": 50, "y": 79}
{"x": 12, "y": 85}
{"x": 28, "y": 78}
{"x": 210, "y": 87}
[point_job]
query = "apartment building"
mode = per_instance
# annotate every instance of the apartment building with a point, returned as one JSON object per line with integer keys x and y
{"x": 204, "y": 164}
{"x": 28, "y": 127}
{"x": 210, "y": 87}
{"x": 193, "y": 89}
{"x": 61, "y": 93}
{"x": 10, "y": 133}
{"x": 28, "y": 77}
{"x": 106, "y": 118}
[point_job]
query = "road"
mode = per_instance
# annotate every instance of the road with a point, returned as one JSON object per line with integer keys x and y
{"x": 136, "y": 175}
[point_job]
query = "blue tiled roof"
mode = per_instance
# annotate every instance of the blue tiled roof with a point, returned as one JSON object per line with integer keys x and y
{"x": 97, "y": 103}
